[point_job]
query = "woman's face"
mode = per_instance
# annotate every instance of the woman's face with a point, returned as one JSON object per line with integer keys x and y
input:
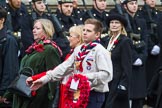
{"x": 115, "y": 26}
{"x": 74, "y": 40}
{"x": 38, "y": 31}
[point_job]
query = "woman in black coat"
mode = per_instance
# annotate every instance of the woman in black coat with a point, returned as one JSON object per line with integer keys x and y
{"x": 121, "y": 53}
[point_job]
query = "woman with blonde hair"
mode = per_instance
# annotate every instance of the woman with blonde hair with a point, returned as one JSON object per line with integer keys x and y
{"x": 121, "y": 54}
{"x": 41, "y": 56}
{"x": 75, "y": 39}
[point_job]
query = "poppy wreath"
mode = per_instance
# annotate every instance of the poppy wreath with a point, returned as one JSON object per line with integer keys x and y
{"x": 83, "y": 87}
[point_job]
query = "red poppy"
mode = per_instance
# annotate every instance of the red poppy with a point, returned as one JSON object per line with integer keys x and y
{"x": 84, "y": 88}
{"x": 116, "y": 42}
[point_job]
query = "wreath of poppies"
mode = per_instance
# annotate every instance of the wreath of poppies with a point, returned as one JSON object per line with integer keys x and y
{"x": 84, "y": 89}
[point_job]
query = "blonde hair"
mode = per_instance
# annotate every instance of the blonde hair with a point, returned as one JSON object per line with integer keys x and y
{"x": 47, "y": 27}
{"x": 78, "y": 31}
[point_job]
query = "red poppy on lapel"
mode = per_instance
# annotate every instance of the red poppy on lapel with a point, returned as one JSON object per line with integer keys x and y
{"x": 116, "y": 42}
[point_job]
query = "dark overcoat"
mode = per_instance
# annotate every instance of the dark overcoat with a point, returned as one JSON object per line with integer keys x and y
{"x": 121, "y": 56}
{"x": 39, "y": 62}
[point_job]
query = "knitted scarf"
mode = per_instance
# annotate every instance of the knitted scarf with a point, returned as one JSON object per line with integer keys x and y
{"x": 39, "y": 46}
{"x": 85, "y": 49}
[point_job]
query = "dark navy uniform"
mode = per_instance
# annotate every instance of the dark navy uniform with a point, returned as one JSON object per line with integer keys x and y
{"x": 137, "y": 90}
{"x": 17, "y": 24}
{"x": 9, "y": 61}
{"x": 67, "y": 21}
{"x": 93, "y": 13}
{"x": 152, "y": 17}
{"x": 153, "y": 39}
{"x": 78, "y": 13}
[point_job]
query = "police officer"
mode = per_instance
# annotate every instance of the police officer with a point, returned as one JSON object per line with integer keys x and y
{"x": 98, "y": 12}
{"x": 138, "y": 34}
{"x": 9, "y": 64}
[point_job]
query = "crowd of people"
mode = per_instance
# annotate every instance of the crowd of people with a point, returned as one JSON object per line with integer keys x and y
{"x": 117, "y": 53}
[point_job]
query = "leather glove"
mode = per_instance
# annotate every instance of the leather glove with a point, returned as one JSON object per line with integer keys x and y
{"x": 138, "y": 62}
{"x": 155, "y": 50}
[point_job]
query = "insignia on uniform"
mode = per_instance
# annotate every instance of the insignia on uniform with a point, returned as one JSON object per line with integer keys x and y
{"x": 107, "y": 14}
{"x": 139, "y": 28}
{"x": 88, "y": 67}
{"x": 81, "y": 19}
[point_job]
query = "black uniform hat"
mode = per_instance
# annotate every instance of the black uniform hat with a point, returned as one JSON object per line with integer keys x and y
{"x": 126, "y": 1}
{"x": 36, "y": 0}
{"x": 65, "y": 1}
{"x": 118, "y": 17}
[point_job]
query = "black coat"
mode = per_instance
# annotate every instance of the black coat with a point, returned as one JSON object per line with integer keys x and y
{"x": 138, "y": 76}
{"x": 9, "y": 60}
{"x": 67, "y": 21}
{"x": 155, "y": 35}
{"x": 93, "y": 13}
{"x": 121, "y": 56}
{"x": 154, "y": 17}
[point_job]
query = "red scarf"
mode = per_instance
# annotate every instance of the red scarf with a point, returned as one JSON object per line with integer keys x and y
{"x": 39, "y": 46}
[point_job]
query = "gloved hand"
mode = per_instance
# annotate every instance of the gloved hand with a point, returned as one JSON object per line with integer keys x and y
{"x": 155, "y": 50}
{"x": 138, "y": 62}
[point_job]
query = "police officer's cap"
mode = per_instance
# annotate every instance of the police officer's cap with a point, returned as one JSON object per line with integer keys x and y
{"x": 126, "y": 1}
{"x": 118, "y": 17}
{"x": 64, "y": 1}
